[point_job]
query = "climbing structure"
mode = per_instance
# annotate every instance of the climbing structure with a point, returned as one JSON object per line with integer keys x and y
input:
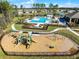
{"x": 22, "y": 39}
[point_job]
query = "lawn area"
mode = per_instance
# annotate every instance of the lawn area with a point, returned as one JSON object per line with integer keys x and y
{"x": 1, "y": 53}
{"x": 75, "y": 27}
{"x": 19, "y": 27}
{"x": 0, "y": 15}
{"x": 69, "y": 35}
{"x": 18, "y": 18}
{"x": 50, "y": 28}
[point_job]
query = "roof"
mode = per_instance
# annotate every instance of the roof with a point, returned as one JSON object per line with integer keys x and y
{"x": 75, "y": 15}
{"x": 71, "y": 14}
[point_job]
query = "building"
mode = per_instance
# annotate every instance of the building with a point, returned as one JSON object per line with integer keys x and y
{"x": 73, "y": 18}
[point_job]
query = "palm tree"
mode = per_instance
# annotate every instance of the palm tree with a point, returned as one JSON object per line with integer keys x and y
{"x": 51, "y": 5}
{"x": 16, "y": 10}
{"x": 34, "y": 5}
{"x": 38, "y": 5}
{"x": 21, "y": 6}
{"x": 55, "y": 9}
{"x": 23, "y": 10}
{"x": 55, "y": 6}
{"x": 43, "y": 5}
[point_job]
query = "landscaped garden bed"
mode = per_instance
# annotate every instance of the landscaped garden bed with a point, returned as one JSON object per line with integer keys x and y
{"x": 46, "y": 28}
{"x": 33, "y": 26}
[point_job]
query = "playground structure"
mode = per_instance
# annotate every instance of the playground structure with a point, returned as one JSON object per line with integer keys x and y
{"x": 22, "y": 39}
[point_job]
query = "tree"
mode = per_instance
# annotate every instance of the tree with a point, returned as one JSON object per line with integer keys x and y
{"x": 21, "y": 6}
{"x": 43, "y": 5}
{"x": 34, "y": 5}
{"x": 51, "y": 5}
{"x": 39, "y": 5}
{"x": 23, "y": 10}
{"x": 6, "y": 9}
{"x": 55, "y": 6}
{"x": 55, "y": 10}
{"x": 16, "y": 10}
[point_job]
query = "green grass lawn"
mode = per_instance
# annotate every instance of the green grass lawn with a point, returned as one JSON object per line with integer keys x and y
{"x": 50, "y": 28}
{"x": 69, "y": 35}
{"x": 19, "y": 27}
{"x": 1, "y": 53}
{"x": 0, "y": 15}
{"x": 17, "y": 18}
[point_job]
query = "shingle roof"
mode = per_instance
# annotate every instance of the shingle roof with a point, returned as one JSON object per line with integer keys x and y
{"x": 75, "y": 15}
{"x": 70, "y": 14}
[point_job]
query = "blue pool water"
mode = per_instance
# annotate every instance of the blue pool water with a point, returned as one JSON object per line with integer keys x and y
{"x": 39, "y": 20}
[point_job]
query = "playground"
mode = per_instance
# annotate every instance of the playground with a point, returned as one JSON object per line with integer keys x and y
{"x": 43, "y": 43}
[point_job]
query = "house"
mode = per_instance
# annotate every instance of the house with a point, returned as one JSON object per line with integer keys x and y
{"x": 74, "y": 18}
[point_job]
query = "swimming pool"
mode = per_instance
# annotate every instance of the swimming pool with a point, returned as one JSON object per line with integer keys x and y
{"x": 39, "y": 20}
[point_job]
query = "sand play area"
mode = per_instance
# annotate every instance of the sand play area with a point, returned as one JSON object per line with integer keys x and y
{"x": 41, "y": 44}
